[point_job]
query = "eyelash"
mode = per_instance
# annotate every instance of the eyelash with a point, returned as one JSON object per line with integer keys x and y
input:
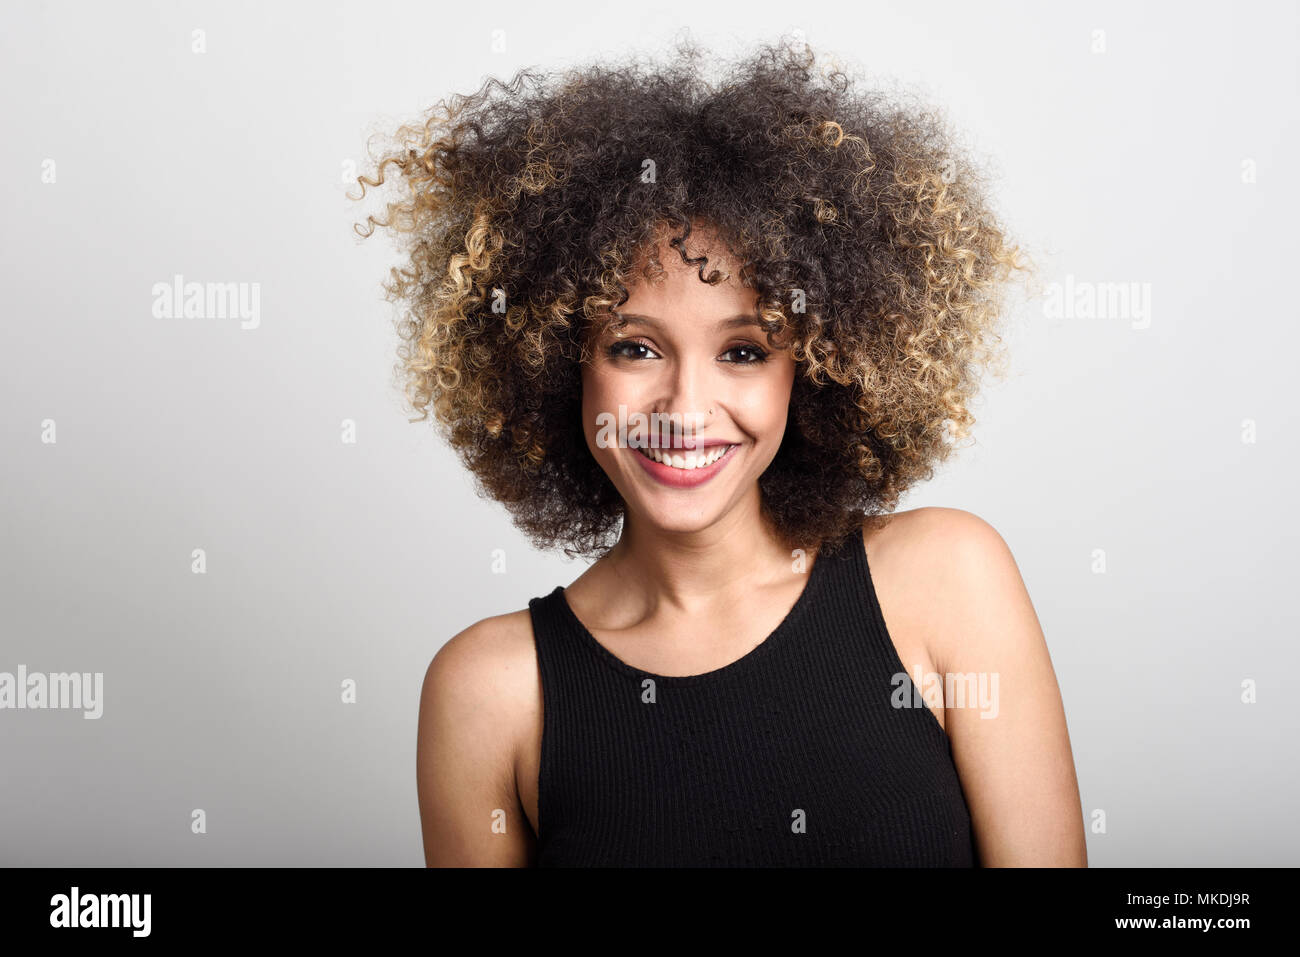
{"x": 760, "y": 355}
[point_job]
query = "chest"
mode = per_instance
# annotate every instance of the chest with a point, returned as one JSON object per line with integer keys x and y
{"x": 759, "y": 768}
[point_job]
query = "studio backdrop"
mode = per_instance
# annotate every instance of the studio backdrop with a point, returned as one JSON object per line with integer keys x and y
{"x": 221, "y": 521}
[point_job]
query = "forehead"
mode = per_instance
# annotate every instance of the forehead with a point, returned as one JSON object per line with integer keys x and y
{"x": 684, "y": 296}
{"x": 671, "y": 252}
{"x": 666, "y": 282}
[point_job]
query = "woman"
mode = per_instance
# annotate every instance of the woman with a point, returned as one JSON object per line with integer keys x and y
{"x": 709, "y": 332}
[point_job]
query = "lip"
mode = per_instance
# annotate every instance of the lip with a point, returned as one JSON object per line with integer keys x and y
{"x": 684, "y": 478}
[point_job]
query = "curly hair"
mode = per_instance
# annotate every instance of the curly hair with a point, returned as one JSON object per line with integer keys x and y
{"x": 526, "y": 208}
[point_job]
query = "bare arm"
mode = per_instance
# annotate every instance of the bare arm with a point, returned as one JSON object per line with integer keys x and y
{"x": 470, "y": 813}
{"x": 1015, "y": 765}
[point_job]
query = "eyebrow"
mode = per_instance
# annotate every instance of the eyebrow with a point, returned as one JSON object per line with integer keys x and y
{"x": 743, "y": 319}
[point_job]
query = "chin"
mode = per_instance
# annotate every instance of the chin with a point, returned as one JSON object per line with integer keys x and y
{"x": 659, "y": 520}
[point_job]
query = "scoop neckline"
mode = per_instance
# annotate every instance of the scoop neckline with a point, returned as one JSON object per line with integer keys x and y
{"x": 757, "y": 653}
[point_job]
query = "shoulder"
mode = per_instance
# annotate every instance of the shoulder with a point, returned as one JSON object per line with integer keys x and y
{"x": 951, "y": 570}
{"x": 479, "y": 696}
{"x": 483, "y": 669}
{"x": 934, "y": 532}
{"x": 991, "y": 655}
{"x": 950, "y": 545}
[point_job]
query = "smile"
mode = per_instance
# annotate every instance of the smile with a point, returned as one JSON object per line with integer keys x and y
{"x": 682, "y": 468}
{"x": 687, "y": 460}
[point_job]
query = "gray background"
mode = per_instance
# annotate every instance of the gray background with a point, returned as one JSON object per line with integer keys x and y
{"x": 329, "y": 561}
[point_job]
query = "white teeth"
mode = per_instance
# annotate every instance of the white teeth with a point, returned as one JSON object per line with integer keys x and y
{"x": 689, "y": 460}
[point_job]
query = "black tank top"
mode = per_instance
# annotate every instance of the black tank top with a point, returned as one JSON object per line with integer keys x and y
{"x": 793, "y": 755}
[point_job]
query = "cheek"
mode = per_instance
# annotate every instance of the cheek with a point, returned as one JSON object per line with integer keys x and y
{"x": 765, "y": 408}
{"x": 591, "y": 408}
{"x": 600, "y": 393}
{"x": 601, "y": 397}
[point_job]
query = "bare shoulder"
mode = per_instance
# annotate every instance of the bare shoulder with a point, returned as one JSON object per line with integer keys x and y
{"x": 963, "y": 594}
{"x": 483, "y": 681}
{"x": 944, "y": 566}
{"x": 478, "y": 699}
{"x": 933, "y": 532}
{"x": 493, "y": 659}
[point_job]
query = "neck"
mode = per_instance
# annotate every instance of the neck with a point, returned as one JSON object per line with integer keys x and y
{"x": 685, "y": 571}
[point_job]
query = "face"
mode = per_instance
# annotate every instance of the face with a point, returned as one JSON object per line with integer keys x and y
{"x": 692, "y": 354}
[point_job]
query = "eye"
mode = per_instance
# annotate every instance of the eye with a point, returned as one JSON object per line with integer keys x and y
{"x": 757, "y": 355}
{"x": 624, "y": 348}
{"x": 636, "y": 350}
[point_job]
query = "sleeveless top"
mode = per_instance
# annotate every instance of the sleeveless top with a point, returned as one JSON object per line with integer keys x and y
{"x": 793, "y": 755}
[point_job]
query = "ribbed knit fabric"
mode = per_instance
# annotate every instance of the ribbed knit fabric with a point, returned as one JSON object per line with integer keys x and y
{"x": 792, "y": 755}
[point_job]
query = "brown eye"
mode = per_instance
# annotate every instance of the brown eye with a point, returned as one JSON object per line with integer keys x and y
{"x": 756, "y": 356}
{"x": 626, "y": 349}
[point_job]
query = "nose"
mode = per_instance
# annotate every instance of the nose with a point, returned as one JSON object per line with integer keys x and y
{"x": 685, "y": 396}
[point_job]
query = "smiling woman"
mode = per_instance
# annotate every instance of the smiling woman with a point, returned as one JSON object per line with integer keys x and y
{"x": 707, "y": 332}
{"x": 677, "y": 345}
